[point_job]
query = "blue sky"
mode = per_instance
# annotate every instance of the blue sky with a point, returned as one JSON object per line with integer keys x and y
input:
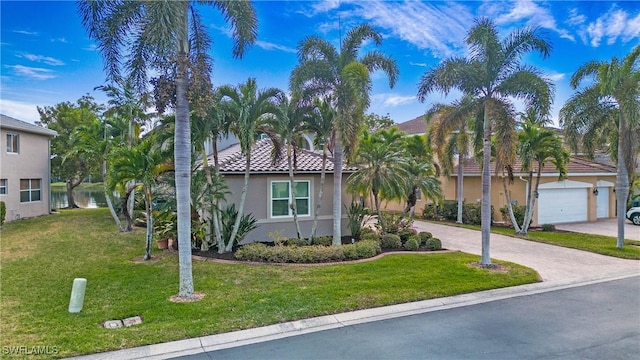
{"x": 47, "y": 57}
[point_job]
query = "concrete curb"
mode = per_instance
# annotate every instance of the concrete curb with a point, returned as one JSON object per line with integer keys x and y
{"x": 299, "y": 327}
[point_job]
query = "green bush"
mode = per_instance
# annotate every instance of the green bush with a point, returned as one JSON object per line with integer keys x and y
{"x": 390, "y": 241}
{"x": 405, "y": 235}
{"x": 413, "y": 243}
{"x": 3, "y": 212}
{"x": 296, "y": 242}
{"x": 370, "y": 236}
{"x": 322, "y": 240}
{"x": 518, "y": 213}
{"x": 472, "y": 214}
{"x": 548, "y": 227}
{"x": 307, "y": 254}
{"x": 433, "y": 244}
{"x": 430, "y": 212}
{"x": 394, "y": 224}
{"x": 366, "y": 230}
{"x": 356, "y": 216}
{"x": 424, "y": 236}
{"x": 449, "y": 210}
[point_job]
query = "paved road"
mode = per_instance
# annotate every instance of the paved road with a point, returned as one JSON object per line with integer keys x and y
{"x": 552, "y": 262}
{"x": 600, "y": 321}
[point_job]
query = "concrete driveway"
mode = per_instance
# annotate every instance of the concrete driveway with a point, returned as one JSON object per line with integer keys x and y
{"x": 608, "y": 227}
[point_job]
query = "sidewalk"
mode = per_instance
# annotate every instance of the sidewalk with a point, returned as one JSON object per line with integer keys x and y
{"x": 560, "y": 268}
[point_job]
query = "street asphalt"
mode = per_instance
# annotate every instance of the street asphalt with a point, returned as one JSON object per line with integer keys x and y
{"x": 560, "y": 268}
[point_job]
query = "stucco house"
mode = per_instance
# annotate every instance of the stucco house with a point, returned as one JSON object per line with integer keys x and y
{"x": 586, "y": 195}
{"x": 269, "y": 193}
{"x": 25, "y": 168}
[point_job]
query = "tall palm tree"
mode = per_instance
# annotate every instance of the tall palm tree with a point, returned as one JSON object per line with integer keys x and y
{"x": 382, "y": 169}
{"x": 169, "y": 38}
{"x": 342, "y": 73}
{"x": 422, "y": 172}
{"x": 449, "y": 131}
{"x": 536, "y": 147}
{"x": 248, "y": 111}
{"x": 493, "y": 74}
{"x": 613, "y": 96}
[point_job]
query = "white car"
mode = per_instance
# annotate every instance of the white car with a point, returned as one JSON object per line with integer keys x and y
{"x": 634, "y": 215}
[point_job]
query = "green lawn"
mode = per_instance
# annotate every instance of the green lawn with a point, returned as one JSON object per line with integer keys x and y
{"x": 599, "y": 244}
{"x": 41, "y": 257}
{"x": 84, "y": 186}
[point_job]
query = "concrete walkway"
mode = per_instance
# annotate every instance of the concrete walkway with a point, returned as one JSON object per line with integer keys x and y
{"x": 606, "y": 227}
{"x": 552, "y": 262}
{"x": 560, "y": 268}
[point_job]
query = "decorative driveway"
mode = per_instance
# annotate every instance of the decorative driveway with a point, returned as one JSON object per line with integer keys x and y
{"x": 608, "y": 227}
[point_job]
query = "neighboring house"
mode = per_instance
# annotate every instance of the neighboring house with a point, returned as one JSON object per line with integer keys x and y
{"x": 586, "y": 195}
{"x": 269, "y": 193}
{"x": 25, "y": 168}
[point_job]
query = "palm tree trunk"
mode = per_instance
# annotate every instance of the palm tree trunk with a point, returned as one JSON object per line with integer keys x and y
{"x": 243, "y": 198}
{"x": 107, "y": 197}
{"x": 125, "y": 208}
{"x": 380, "y": 217}
{"x": 532, "y": 201}
{"x": 320, "y": 193}
{"x": 622, "y": 182}
{"x": 71, "y": 203}
{"x": 514, "y": 222}
{"x": 337, "y": 192}
{"x": 486, "y": 190}
{"x": 182, "y": 156}
{"x": 460, "y": 193}
{"x": 149, "y": 206}
{"x": 293, "y": 192}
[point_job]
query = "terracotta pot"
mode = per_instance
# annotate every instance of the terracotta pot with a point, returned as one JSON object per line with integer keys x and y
{"x": 162, "y": 244}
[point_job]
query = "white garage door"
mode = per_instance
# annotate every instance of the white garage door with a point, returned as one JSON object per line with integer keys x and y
{"x": 602, "y": 203}
{"x": 562, "y": 205}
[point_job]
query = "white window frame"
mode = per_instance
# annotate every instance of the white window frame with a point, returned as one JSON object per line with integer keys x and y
{"x": 13, "y": 139}
{"x": 31, "y": 190}
{"x": 289, "y": 199}
{"x": 3, "y": 186}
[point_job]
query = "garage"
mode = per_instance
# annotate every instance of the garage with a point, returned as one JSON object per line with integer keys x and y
{"x": 563, "y": 202}
{"x": 602, "y": 202}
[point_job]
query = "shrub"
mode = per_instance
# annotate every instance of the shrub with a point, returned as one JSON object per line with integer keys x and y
{"x": 394, "y": 224}
{"x": 228, "y": 218}
{"x": 370, "y": 236}
{"x": 307, "y": 254}
{"x": 429, "y": 212}
{"x": 449, "y": 210}
{"x": 390, "y": 241}
{"x": 433, "y": 244}
{"x": 518, "y": 213}
{"x": 405, "y": 235}
{"x": 322, "y": 240}
{"x": 424, "y": 236}
{"x": 296, "y": 242}
{"x": 548, "y": 227}
{"x": 356, "y": 217}
{"x": 472, "y": 214}
{"x": 413, "y": 243}
{"x": 366, "y": 248}
{"x": 3, "y": 212}
{"x": 366, "y": 230}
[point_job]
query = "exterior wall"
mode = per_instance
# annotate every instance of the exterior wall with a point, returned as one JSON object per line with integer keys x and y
{"x": 258, "y": 204}
{"x": 32, "y": 162}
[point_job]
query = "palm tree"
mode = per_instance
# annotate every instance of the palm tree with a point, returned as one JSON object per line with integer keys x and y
{"x": 536, "y": 147}
{"x": 169, "y": 38}
{"x": 449, "y": 130}
{"x": 613, "y": 96}
{"x": 248, "y": 112}
{"x": 323, "y": 70}
{"x": 289, "y": 126}
{"x": 382, "y": 169}
{"x": 493, "y": 75}
{"x": 142, "y": 163}
{"x": 422, "y": 172}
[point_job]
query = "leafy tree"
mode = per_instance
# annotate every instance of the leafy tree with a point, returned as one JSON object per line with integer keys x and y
{"x": 248, "y": 111}
{"x": 494, "y": 75}
{"x": 422, "y": 172}
{"x": 68, "y": 163}
{"x": 374, "y": 122}
{"x": 324, "y": 70}
{"x": 169, "y": 38}
{"x": 613, "y": 97}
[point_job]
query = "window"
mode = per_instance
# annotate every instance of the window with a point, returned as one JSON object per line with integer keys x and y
{"x": 13, "y": 143}
{"x": 3, "y": 186}
{"x": 281, "y": 197}
{"x": 418, "y": 194}
{"x": 29, "y": 190}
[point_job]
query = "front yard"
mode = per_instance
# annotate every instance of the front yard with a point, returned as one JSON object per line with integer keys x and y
{"x": 41, "y": 257}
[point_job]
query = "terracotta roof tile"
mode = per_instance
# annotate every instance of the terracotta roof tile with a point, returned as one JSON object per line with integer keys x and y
{"x": 232, "y": 161}
{"x": 577, "y": 165}
{"x": 415, "y": 126}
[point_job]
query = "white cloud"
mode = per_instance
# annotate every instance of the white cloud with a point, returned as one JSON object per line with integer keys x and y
{"x": 32, "y": 72}
{"x": 62, "y": 40}
{"x": 19, "y": 110}
{"x": 91, "y": 47}
{"x": 391, "y": 100}
{"x": 575, "y": 18}
{"x": 616, "y": 24}
{"x": 24, "y": 32}
{"x": 418, "y": 64}
{"x": 318, "y": 7}
{"x": 42, "y": 59}
{"x": 556, "y": 76}
{"x": 271, "y": 46}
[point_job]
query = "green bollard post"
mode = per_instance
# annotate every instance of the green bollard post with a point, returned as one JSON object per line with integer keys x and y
{"x": 77, "y": 295}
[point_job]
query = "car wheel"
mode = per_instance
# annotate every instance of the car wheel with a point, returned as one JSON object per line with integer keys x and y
{"x": 635, "y": 218}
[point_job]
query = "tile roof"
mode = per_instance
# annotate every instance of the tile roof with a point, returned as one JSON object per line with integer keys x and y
{"x": 577, "y": 165}
{"x": 7, "y": 122}
{"x": 415, "y": 126}
{"x": 232, "y": 161}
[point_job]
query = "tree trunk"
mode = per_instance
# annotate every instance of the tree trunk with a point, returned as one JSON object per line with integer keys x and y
{"x": 125, "y": 209}
{"x": 182, "y": 158}
{"x": 337, "y": 192}
{"x": 380, "y": 217}
{"x": 107, "y": 197}
{"x": 460, "y": 187}
{"x": 320, "y": 193}
{"x": 411, "y": 201}
{"x": 622, "y": 182}
{"x": 486, "y": 190}
{"x": 514, "y": 222}
{"x": 532, "y": 201}
{"x": 149, "y": 206}
{"x": 293, "y": 192}
{"x": 71, "y": 203}
{"x": 243, "y": 198}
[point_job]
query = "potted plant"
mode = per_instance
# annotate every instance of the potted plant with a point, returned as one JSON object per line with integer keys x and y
{"x": 166, "y": 229}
